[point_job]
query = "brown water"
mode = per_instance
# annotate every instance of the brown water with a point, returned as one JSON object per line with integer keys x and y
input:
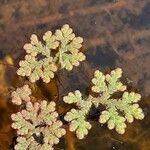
{"x": 116, "y": 34}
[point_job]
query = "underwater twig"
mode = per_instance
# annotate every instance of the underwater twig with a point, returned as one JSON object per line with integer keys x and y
{"x": 70, "y": 143}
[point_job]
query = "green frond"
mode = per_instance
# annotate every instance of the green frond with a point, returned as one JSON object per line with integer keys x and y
{"x": 77, "y": 117}
{"x": 128, "y": 104}
{"x": 23, "y": 143}
{"x": 78, "y": 123}
{"x": 23, "y": 127}
{"x": 69, "y": 55}
{"x": 114, "y": 84}
{"x": 50, "y": 40}
{"x": 21, "y": 94}
{"x": 99, "y": 82}
{"x": 73, "y": 97}
{"x": 113, "y": 119}
{"x": 107, "y": 83}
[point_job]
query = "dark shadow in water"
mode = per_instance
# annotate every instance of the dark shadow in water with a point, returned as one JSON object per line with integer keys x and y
{"x": 2, "y": 55}
{"x": 143, "y": 20}
{"x": 105, "y": 56}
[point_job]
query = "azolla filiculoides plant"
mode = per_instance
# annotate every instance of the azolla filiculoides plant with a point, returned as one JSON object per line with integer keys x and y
{"x": 40, "y": 120}
{"x": 40, "y": 61}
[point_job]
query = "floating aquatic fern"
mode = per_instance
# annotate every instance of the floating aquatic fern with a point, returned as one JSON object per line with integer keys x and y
{"x": 37, "y": 121}
{"x": 106, "y": 86}
{"x": 39, "y": 61}
{"x": 40, "y": 120}
{"x": 38, "y": 124}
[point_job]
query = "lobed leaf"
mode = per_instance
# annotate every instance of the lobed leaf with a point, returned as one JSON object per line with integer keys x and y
{"x": 69, "y": 55}
{"x": 78, "y": 123}
{"x": 21, "y": 94}
{"x": 99, "y": 82}
{"x": 73, "y": 97}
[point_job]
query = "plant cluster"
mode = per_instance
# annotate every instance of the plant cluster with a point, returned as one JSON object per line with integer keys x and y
{"x": 43, "y": 58}
{"x": 117, "y": 110}
{"x": 38, "y": 124}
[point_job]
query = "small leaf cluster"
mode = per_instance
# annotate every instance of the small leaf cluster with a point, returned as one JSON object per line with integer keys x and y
{"x": 37, "y": 125}
{"x": 77, "y": 117}
{"x": 21, "y": 94}
{"x": 43, "y": 58}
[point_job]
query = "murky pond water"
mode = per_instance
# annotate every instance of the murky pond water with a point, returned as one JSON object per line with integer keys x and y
{"x": 116, "y": 34}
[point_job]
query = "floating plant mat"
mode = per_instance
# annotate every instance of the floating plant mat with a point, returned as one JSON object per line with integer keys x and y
{"x": 116, "y": 35}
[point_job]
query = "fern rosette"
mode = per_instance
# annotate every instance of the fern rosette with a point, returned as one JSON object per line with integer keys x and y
{"x": 41, "y": 62}
{"x": 37, "y": 122}
{"x": 107, "y": 85}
